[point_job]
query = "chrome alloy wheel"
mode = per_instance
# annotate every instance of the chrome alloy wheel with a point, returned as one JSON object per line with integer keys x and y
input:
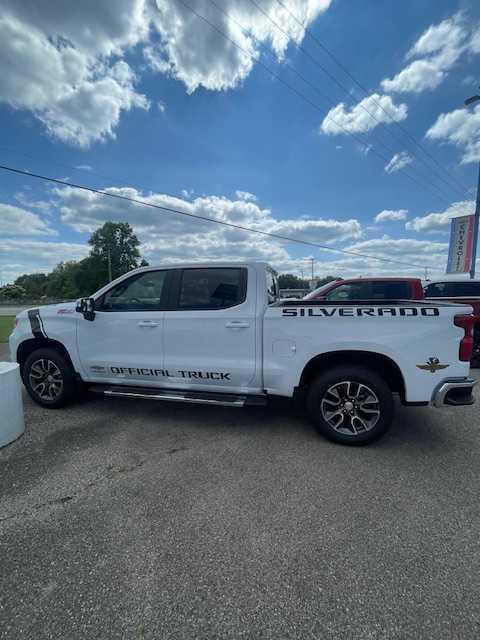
{"x": 46, "y": 379}
{"x": 350, "y": 407}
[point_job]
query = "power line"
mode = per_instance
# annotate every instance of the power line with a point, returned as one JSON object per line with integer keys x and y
{"x": 277, "y": 236}
{"x": 463, "y": 188}
{"x": 101, "y": 176}
{"x": 311, "y": 103}
{"x": 346, "y": 90}
{"x": 327, "y": 98}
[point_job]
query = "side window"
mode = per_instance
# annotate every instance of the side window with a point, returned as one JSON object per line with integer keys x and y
{"x": 272, "y": 287}
{"x": 142, "y": 292}
{"x": 384, "y": 290}
{"x": 464, "y": 289}
{"x": 352, "y": 291}
{"x": 435, "y": 290}
{"x": 212, "y": 288}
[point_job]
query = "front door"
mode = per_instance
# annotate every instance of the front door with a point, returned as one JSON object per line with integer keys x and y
{"x": 124, "y": 343}
{"x": 210, "y": 331}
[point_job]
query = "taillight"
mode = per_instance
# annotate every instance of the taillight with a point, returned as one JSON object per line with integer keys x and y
{"x": 466, "y": 322}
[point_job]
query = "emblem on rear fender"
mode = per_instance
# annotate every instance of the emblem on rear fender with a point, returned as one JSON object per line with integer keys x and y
{"x": 432, "y": 365}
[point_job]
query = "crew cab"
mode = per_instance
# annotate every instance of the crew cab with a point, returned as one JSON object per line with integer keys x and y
{"x": 460, "y": 291}
{"x": 369, "y": 289}
{"x": 218, "y": 334}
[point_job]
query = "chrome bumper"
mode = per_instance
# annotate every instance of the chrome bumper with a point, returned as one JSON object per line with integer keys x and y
{"x": 454, "y": 392}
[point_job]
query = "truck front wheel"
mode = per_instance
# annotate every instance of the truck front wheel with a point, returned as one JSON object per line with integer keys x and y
{"x": 350, "y": 405}
{"x": 49, "y": 378}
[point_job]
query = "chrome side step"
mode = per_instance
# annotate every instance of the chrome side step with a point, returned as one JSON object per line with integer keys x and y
{"x": 172, "y": 395}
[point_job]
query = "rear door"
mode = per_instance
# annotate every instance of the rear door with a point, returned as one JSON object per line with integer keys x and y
{"x": 125, "y": 340}
{"x": 210, "y": 329}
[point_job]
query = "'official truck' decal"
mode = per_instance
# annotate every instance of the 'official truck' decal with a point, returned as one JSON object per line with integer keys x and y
{"x": 329, "y": 312}
{"x": 165, "y": 373}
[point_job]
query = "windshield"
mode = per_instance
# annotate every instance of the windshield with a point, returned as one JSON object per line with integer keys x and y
{"x": 317, "y": 292}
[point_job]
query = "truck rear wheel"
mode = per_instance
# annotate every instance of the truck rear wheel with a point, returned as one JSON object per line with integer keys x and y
{"x": 49, "y": 378}
{"x": 350, "y": 405}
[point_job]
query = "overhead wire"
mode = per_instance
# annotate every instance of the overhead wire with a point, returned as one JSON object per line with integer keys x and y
{"x": 440, "y": 195}
{"x": 404, "y": 130}
{"x": 328, "y": 99}
{"x": 224, "y": 223}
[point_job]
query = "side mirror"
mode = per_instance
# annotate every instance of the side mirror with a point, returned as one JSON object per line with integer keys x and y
{"x": 86, "y": 306}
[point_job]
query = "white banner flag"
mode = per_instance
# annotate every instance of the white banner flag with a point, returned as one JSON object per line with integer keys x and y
{"x": 461, "y": 245}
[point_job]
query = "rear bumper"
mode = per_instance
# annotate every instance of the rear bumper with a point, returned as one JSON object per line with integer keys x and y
{"x": 454, "y": 392}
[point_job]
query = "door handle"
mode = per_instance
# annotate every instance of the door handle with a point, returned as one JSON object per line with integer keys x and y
{"x": 237, "y": 324}
{"x": 148, "y": 323}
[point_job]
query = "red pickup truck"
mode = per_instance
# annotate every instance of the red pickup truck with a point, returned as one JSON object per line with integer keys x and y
{"x": 449, "y": 290}
{"x": 459, "y": 290}
{"x": 369, "y": 289}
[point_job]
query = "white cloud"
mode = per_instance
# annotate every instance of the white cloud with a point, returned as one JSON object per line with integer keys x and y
{"x": 191, "y": 51}
{"x": 31, "y": 256}
{"x": 17, "y": 221}
{"x": 469, "y": 81}
{"x": 474, "y": 44}
{"x": 461, "y": 128}
{"x": 398, "y": 162}
{"x": 65, "y": 63}
{"x": 416, "y": 254}
{"x": 84, "y": 167}
{"x": 85, "y": 211}
{"x": 437, "y": 50}
{"x": 365, "y": 115}
{"x": 76, "y": 94}
{"x": 440, "y": 221}
{"x": 389, "y": 215}
{"x": 246, "y": 195}
{"x": 418, "y": 76}
{"x": 42, "y": 205}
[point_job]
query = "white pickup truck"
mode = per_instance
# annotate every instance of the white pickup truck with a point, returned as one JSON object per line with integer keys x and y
{"x": 218, "y": 334}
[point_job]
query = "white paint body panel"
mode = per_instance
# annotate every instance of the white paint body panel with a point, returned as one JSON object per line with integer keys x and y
{"x": 407, "y": 340}
{"x": 268, "y": 353}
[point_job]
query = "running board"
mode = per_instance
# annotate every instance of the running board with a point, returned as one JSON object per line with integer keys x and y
{"x": 173, "y": 395}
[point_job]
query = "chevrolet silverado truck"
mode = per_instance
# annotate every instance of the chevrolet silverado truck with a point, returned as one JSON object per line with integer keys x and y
{"x": 218, "y": 334}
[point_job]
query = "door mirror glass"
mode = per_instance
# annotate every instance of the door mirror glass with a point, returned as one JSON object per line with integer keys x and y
{"x": 86, "y": 306}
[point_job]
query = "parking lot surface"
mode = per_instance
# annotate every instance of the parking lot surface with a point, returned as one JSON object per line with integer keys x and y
{"x": 145, "y": 520}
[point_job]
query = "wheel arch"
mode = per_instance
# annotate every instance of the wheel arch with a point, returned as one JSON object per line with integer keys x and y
{"x": 27, "y": 347}
{"x": 377, "y": 362}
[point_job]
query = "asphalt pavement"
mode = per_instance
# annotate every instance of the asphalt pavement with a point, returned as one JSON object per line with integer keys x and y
{"x": 144, "y": 520}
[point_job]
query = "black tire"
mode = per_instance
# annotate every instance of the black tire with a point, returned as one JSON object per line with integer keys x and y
{"x": 50, "y": 368}
{"x": 329, "y": 401}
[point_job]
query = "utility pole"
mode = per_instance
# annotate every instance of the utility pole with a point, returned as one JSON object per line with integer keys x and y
{"x": 312, "y": 261}
{"x": 109, "y": 257}
{"x": 468, "y": 102}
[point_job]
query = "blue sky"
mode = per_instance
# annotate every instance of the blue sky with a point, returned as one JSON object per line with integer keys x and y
{"x": 147, "y": 100}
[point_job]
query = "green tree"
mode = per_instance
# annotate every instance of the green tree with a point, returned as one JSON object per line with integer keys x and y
{"x": 290, "y": 281}
{"x": 12, "y": 292}
{"x": 90, "y": 276}
{"x": 33, "y": 283}
{"x": 61, "y": 282}
{"x": 116, "y": 246}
